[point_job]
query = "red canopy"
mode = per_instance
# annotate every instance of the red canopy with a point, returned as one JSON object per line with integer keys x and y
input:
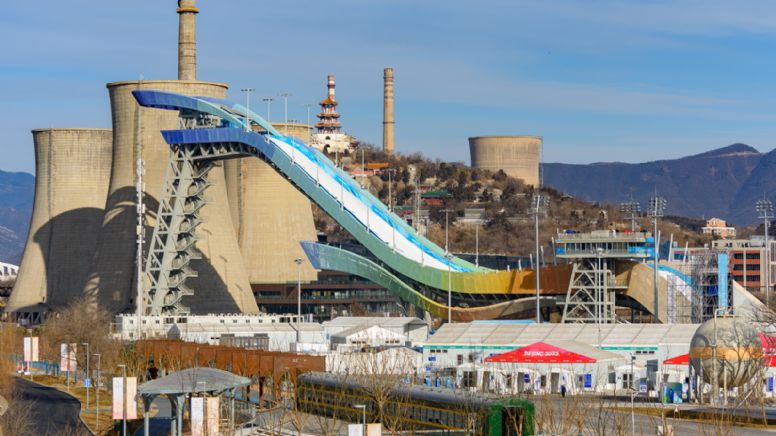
{"x": 541, "y": 352}
{"x": 682, "y": 359}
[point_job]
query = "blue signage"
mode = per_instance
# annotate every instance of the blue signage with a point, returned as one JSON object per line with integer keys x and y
{"x": 588, "y": 381}
{"x": 722, "y": 280}
{"x": 432, "y": 358}
{"x": 526, "y": 378}
{"x": 87, "y": 382}
{"x": 770, "y": 384}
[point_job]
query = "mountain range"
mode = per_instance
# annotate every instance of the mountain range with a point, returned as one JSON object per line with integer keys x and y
{"x": 723, "y": 183}
{"x": 17, "y": 192}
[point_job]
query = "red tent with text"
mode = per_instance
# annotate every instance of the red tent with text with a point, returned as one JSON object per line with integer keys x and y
{"x": 555, "y": 352}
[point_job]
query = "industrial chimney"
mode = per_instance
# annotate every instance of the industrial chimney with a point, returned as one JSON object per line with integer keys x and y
{"x": 388, "y": 146}
{"x": 187, "y": 40}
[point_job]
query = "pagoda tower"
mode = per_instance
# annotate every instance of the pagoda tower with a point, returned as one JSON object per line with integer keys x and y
{"x": 329, "y": 136}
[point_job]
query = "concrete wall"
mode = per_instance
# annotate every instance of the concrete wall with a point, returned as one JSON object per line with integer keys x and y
{"x": 518, "y": 156}
{"x": 222, "y": 284}
{"x": 72, "y": 171}
{"x": 271, "y": 217}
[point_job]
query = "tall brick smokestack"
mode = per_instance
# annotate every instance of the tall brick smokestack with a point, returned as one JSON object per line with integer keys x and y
{"x": 388, "y": 123}
{"x": 187, "y": 40}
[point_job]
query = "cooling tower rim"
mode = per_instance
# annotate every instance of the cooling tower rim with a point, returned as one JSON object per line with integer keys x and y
{"x": 475, "y": 138}
{"x": 71, "y": 129}
{"x": 152, "y": 82}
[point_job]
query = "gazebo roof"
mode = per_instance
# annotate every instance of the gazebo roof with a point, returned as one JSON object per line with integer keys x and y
{"x": 193, "y": 380}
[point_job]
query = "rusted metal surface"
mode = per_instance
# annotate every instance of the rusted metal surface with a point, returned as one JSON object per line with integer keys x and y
{"x": 172, "y": 355}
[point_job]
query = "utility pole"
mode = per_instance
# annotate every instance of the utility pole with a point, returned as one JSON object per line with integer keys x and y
{"x": 285, "y": 96}
{"x": 269, "y": 101}
{"x": 390, "y": 189}
{"x": 765, "y": 213}
{"x": 539, "y": 205}
{"x": 477, "y": 245}
{"x": 87, "y": 373}
{"x": 140, "y": 231}
{"x": 657, "y": 206}
{"x": 247, "y": 92}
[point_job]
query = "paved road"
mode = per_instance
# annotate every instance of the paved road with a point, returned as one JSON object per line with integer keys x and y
{"x": 52, "y": 412}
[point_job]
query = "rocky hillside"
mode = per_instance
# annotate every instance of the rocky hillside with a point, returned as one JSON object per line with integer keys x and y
{"x": 724, "y": 183}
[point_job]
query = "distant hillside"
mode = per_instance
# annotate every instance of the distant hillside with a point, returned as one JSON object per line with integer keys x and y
{"x": 17, "y": 191}
{"x": 724, "y": 182}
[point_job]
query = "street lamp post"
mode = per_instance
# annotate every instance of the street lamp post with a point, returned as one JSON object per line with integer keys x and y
{"x": 477, "y": 244}
{"x": 390, "y": 189}
{"x": 124, "y": 399}
{"x": 363, "y": 410}
{"x": 449, "y": 258}
{"x": 269, "y": 101}
{"x": 298, "y": 261}
{"x": 285, "y": 96}
{"x": 765, "y": 213}
{"x": 247, "y": 92}
{"x": 87, "y": 373}
{"x": 97, "y": 392}
{"x": 539, "y": 205}
{"x": 656, "y": 207}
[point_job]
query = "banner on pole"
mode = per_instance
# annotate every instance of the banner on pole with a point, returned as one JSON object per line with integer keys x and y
{"x": 197, "y": 416}
{"x": 67, "y": 359}
{"x": 31, "y": 349}
{"x": 213, "y": 412}
{"x": 119, "y": 398}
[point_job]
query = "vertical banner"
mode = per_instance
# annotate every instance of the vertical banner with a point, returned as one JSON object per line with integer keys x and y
{"x": 131, "y": 397}
{"x": 67, "y": 360}
{"x": 213, "y": 411}
{"x": 197, "y": 416}
{"x": 722, "y": 280}
{"x": 119, "y": 398}
{"x": 31, "y": 349}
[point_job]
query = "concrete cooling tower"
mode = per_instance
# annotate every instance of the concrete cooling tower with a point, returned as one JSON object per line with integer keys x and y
{"x": 518, "y": 156}
{"x": 222, "y": 284}
{"x": 72, "y": 171}
{"x": 271, "y": 216}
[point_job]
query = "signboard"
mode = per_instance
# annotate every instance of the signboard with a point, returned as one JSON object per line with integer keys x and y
{"x": 67, "y": 359}
{"x": 588, "y": 381}
{"x": 526, "y": 378}
{"x": 119, "y": 398}
{"x": 722, "y": 279}
{"x": 770, "y": 384}
{"x": 643, "y": 387}
{"x": 197, "y": 416}
{"x": 31, "y": 349}
{"x": 374, "y": 429}
{"x": 87, "y": 382}
{"x": 432, "y": 358}
{"x": 355, "y": 430}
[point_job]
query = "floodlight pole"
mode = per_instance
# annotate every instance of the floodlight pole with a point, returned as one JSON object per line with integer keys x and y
{"x": 97, "y": 390}
{"x": 87, "y": 373}
{"x": 656, "y": 207}
{"x": 285, "y": 96}
{"x": 124, "y": 399}
{"x": 269, "y": 101}
{"x": 247, "y": 92}
{"x": 538, "y": 206}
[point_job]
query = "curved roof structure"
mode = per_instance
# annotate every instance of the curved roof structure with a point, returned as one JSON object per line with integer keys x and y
{"x": 193, "y": 380}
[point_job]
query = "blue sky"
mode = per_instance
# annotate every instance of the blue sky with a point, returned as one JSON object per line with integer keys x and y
{"x": 600, "y": 80}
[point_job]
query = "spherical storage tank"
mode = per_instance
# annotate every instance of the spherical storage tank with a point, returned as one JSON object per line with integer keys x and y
{"x": 518, "y": 156}
{"x": 738, "y": 351}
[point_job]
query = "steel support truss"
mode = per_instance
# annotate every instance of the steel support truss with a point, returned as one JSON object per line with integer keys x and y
{"x": 173, "y": 244}
{"x": 591, "y": 294}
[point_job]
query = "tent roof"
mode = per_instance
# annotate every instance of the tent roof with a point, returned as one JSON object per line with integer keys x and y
{"x": 555, "y": 352}
{"x": 193, "y": 380}
{"x": 682, "y": 359}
